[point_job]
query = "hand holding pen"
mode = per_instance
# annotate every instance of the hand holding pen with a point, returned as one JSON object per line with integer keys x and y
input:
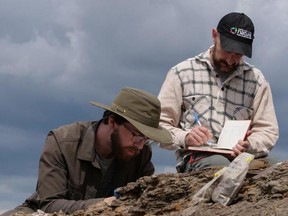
{"x": 199, "y": 123}
{"x": 198, "y": 135}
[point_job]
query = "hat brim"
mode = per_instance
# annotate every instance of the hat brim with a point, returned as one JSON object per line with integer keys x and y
{"x": 234, "y": 46}
{"x": 158, "y": 134}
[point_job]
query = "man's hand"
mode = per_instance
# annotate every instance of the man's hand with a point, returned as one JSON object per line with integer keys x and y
{"x": 241, "y": 146}
{"x": 198, "y": 136}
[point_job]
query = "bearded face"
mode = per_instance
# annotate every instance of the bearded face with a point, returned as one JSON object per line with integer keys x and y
{"x": 120, "y": 150}
{"x": 224, "y": 61}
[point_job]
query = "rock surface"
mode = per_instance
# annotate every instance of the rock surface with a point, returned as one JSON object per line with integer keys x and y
{"x": 264, "y": 192}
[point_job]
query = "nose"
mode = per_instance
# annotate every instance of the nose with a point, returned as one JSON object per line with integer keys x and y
{"x": 230, "y": 60}
{"x": 233, "y": 58}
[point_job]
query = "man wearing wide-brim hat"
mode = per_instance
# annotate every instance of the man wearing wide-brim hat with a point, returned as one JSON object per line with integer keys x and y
{"x": 84, "y": 162}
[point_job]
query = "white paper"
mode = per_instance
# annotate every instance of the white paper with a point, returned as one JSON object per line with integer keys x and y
{"x": 232, "y": 132}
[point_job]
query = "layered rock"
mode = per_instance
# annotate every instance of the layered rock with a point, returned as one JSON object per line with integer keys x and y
{"x": 264, "y": 192}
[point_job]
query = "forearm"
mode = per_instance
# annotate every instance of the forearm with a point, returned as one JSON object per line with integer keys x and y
{"x": 264, "y": 127}
{"x": 178, "y": 136}
{"x": 56, "y": 191}
{"x": 67, "y": 206}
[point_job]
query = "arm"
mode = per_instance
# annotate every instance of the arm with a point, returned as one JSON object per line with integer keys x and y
{"x": 53, "y": 184}
{"x": 170, "y": 97}
{"x": 264, "y": 125}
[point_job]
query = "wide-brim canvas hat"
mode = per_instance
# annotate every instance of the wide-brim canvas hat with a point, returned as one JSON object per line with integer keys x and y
{"x": 142, "y": 110}
{"x": 236, "y": 33}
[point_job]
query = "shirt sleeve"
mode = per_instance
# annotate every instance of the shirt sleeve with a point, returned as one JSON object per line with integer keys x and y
{"x": 264, "y": 125}
{"x": 52, "y": 184}
{"x": 170, "y": 96}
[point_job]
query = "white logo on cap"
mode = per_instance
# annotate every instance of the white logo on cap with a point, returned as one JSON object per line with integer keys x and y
{"x": 241, "y": 32}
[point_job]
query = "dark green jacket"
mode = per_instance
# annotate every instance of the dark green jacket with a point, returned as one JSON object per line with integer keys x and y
{"x": 70, "y": 176}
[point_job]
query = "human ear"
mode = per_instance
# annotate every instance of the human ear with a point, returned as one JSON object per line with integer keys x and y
{"x": 111, "y": 121}
{"x": 214, "y": 34}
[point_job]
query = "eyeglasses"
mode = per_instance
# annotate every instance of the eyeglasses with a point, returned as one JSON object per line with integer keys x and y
{"x": 136, "y": 138}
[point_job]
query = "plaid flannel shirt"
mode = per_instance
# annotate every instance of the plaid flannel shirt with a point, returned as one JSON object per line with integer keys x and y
{"x": 194, "y": 86}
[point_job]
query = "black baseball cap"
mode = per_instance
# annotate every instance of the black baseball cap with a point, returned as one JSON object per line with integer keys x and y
{"x": 236, "y": 33}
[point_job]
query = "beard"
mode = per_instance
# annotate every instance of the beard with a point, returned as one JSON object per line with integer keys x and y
{"x": 221, "y": 65}
{"x": 119, "y": 151}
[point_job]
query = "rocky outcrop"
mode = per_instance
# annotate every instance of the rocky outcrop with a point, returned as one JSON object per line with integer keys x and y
{"x": 264, "y": 192}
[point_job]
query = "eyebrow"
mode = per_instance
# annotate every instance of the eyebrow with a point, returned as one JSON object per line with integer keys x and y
{"x": 137, "y": 132}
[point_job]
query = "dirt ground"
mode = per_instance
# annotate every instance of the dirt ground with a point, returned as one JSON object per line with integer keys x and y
{"x": 264, "y": 192}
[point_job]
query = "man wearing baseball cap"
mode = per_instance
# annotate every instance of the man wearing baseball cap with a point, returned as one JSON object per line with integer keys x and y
{"x": 201, "y": 93}
{"x": 84, "y": 162}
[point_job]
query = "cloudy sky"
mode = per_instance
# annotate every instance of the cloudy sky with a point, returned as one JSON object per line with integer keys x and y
{"x": 56, "y": 56}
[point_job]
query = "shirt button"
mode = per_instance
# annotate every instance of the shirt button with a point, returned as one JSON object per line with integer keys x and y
{"x": 217, "y": 76}
{"x": 222, "y": 88}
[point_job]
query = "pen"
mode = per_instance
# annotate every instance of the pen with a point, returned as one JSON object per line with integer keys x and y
{"x": 199, "y": 123}
{"x": 197, "y": 120}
